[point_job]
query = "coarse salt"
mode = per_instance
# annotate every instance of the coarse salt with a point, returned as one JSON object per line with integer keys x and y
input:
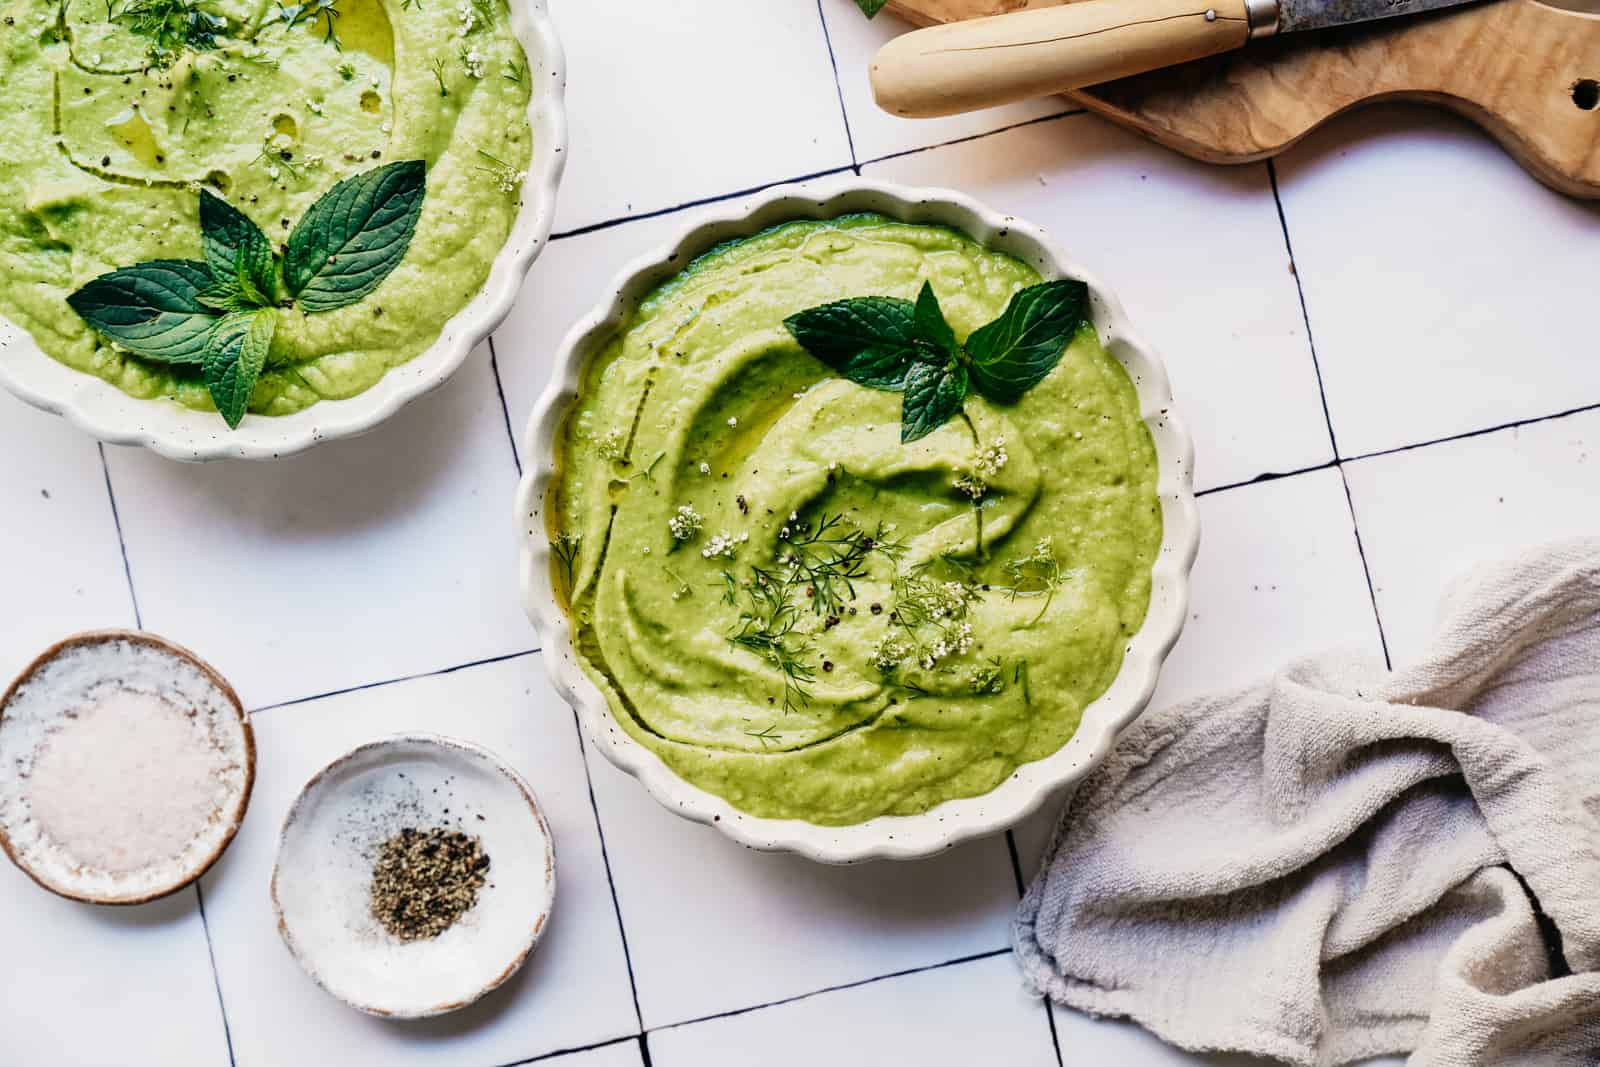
{"x": 125, "y": 768}
{"x": 126, "y": 782}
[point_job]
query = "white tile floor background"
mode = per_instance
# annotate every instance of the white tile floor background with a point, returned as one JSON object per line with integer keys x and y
{"x": 1383, "y": 344}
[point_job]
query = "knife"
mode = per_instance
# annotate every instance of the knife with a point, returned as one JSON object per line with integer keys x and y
{"x": 977, "y": 63}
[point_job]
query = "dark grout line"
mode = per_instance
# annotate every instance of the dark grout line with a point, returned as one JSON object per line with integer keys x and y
{"x": 611, "y": 882}
{"x": 505, "y": 409}
{"x": 1068, "y": 113}
{"x": 1269, "y": 476}
{"x": 1022, "y": 888}
{"x": 974, "y": 958}
{"x": 838, "y": 88}
{"x": 1305, "y": 314}
{"x": 854, "y": 166}
{"x": 1582, "y": 409}
{"x": 1341, "y": 464}
{"x": 644, "y": 1050}
{"x": 1016, "y": 862}
{"x": 1333, "y": 441}
{"x": 541, "y": 1057}
{"x": 608, "y": 224}
{"x": 216, "y": 978}
{"x": 394, "y": 681}
{"x": 1055, "y": 1037}
{"x": 122, "y": 544}
{"x": 1361, "y": 550}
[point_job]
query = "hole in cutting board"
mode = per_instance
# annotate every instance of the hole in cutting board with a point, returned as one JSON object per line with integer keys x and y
{"x": 1586, "y": 94}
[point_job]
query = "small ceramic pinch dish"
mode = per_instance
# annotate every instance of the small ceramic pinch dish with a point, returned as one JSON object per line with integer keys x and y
{"x": 344, "y": 830}
{"x": 126, "y": 765}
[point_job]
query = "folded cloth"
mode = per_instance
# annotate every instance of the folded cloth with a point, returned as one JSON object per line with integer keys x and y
{"x": 1338, "y": 863}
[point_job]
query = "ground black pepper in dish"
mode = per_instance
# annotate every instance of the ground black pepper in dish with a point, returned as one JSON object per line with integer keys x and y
{"x": 425, "y": 880}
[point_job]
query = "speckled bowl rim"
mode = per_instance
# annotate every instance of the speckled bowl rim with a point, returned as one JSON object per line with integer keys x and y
{"x": 169, "y": 429}
{"x": 954, "y": 821}
{"x": 140, "y": 637}
{"x": 456, "y": 748}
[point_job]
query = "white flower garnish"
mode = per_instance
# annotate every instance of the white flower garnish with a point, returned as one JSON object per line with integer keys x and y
{"x": 888, "y": 652}
{"x": 724, "y": 545}
{"x": 685, "y": 523}
{"x": 993, "y": 459}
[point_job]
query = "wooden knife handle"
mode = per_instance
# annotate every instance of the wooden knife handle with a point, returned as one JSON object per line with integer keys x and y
{"x": 963, "y": 66}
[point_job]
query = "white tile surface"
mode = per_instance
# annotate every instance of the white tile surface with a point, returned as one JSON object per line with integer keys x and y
{"x": 675, "y": 102}
{"x": 82, "y": 986}
{"x": 569, "y": 279}
{"x": 621, "y": 1054}
{"x": 1279, "y": 576}
{"x": 971, "y": 1013}
{"x": 1447, "y": 290}
{"x": 714, "y": 927}
{"x": 1197, "y": 255}
{"x": 876, "y": 133}
{"x": 573, "y": 992}
{"x": 57, "y": 518}
{"x": 572, "y": 277}
{"x": 1429, "y": 514}
{"x": 361, "y": 561}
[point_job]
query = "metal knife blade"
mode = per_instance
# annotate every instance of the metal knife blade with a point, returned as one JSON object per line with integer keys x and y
{"x": 1297, "y": 15}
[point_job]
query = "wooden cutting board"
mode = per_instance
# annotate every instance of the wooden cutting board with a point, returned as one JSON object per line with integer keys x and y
{"x": 1524, "y": 71}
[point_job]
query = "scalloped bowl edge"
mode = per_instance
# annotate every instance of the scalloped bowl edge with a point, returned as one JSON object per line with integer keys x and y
{"x": 1030, "y": 785}
{"x": 169, "y": 429}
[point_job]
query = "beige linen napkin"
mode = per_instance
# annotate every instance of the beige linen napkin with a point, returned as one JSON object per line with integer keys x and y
{"x": 1321, "y": 868}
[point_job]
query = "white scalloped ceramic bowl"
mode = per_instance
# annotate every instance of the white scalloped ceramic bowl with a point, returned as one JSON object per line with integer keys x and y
{"x": 954, "y": 821}
{"x": 163, "y": 426}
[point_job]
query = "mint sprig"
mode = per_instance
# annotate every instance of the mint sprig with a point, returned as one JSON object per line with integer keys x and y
{"x": 906, "y": 347}
{"x": 220, "y": 315}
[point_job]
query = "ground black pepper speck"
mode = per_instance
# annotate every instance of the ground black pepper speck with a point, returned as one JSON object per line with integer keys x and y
{"x": 425, "y": 880}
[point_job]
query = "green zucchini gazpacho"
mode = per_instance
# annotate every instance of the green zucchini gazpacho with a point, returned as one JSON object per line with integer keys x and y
{"x": 251, "y": 205}
{"x": 853, "y": 517}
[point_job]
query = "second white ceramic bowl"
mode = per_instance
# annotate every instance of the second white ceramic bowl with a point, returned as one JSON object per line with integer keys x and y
{"x": 890, "y": 836}
{"x": 104, "y": 411}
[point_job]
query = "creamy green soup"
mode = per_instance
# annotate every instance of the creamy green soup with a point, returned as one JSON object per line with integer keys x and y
{"x": 111, "y": 127}
{"x": 802, "y": 614}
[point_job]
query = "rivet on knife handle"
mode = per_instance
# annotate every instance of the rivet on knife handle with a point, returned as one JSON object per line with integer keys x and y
{"x": 963, "y": 66}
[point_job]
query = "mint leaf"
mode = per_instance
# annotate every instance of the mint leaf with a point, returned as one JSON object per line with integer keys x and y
{"x": 932, "y": 395}
{"x": 871, "y": 340}
{"x": 870, "y": 8}
{"x": 236, "y": 249}
{"x": 234, "y": 361}
{"x": 151, "y": 309}
{"x": 236, "y": 292}
{"x": 233, "y": 294}
{"x": 931, "y": 327}
{"x": 1013, "y": 353}
{"x": 350, "y": 239}
{"x": 879, "y": 367}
